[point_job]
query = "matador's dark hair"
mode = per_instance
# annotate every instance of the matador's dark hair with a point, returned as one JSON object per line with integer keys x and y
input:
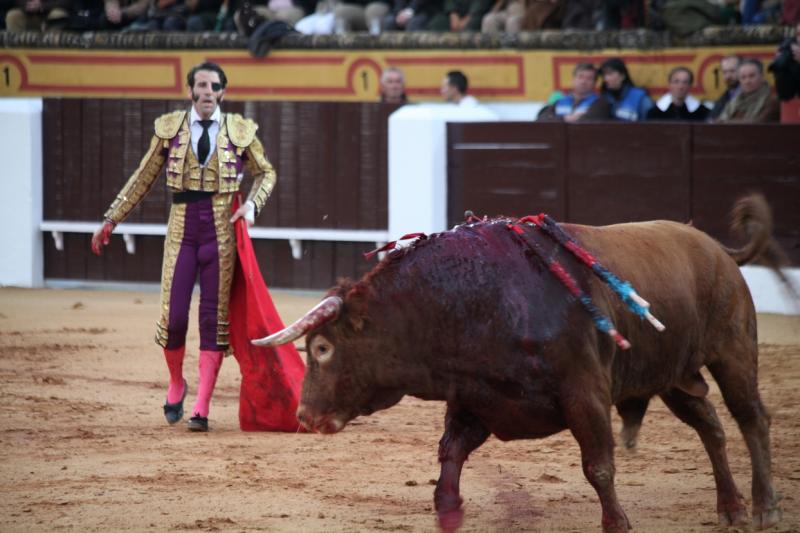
{"x": 206, "y": 66}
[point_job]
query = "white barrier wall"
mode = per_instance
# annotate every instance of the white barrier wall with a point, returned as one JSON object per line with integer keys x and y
{"x": 22, "y": 264}
{"x": 769, "y": 293}
{"x": 418, "y": 164}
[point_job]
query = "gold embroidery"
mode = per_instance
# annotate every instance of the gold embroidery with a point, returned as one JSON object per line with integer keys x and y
{"x": 139, "y": 184}
{"x": 263, "y": 175}
{"x": 226, "y": 245}
{"x": 241, "y": 130}
{"x": 167, "y": 125}
{"x": 172, "y": 245}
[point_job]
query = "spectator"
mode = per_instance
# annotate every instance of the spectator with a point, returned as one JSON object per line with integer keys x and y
{"x": 251, "y": 15}
{"x": 38, "y": 15}
{"x": 202, "y": 14}
{"x": 583, "y": 103}
{"x": 626, "y": 101}
{"x": 761, "y": 11}
{"x": 393, "y": 86}
{"x": 167, "y": 15}
{"x": 678, "y": 104}
{"x": 504, "y": 16}
{"x": 454, "y": 89}
{"x": 225, "y": 16}
{"x": 103, "y": 15}
{"x": 544, "y": 14}
{"x": 729, "y": 65}
{"x": 685, "y": 17}
{"x": 5, "y": 7}
{"x": 332, "y": 16}
{"x": 786, "y": 67}
{"x": 790, "y": 15}
{"x": 755, "y": 102}
{"x": 623, "y": 14}
{"x": 583, "y": 15}
{"x": 359, "y": 15}
{"x": 118, "y": 15}
{"x": 416, "y": 15}
{"x": 320, "y": 22}
{"x": 466, "y": 15}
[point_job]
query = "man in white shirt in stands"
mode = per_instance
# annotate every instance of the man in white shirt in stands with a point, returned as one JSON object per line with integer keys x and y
{"x": 454, "y": 89}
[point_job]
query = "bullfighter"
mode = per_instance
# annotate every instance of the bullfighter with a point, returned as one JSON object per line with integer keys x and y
{"x": 205, "y": 152}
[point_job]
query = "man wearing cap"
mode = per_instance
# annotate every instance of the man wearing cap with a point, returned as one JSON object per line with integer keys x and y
{"x": 205, "y": 152}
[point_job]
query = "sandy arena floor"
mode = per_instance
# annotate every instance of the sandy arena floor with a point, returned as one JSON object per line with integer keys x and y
{"x": 84, "y": 446}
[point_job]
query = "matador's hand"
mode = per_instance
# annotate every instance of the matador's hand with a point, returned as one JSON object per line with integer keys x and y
{"x": 102, "y": 237}
{"x": 246, "y": 210}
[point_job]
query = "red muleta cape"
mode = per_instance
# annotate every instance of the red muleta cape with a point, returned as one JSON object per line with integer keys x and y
{"x": 271, "y": 377}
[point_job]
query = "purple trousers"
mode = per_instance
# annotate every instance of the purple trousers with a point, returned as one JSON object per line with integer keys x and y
{"x": 200, "y": 245}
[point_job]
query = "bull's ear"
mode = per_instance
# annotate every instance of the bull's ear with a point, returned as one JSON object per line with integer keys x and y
{"x": 356, "y": 304}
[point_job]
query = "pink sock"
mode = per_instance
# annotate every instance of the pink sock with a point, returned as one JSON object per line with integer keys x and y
{"x": 175, "y": 364}
{"x": 209, "y": 365}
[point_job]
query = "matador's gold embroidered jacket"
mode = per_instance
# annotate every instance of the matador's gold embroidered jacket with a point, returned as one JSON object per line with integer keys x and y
{"x": 237, "y": 149}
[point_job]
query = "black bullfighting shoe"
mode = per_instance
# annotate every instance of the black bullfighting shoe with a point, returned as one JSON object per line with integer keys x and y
{"x": 173, "y": 412}
{"x": 198, "y": 423}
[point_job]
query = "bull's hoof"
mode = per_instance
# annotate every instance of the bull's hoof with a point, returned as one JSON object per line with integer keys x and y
{"x": 618, "y": 525}
{"x": 767, "y": 518}
{"x": 629, "y": 436}
{"x": 735, "y": 517}
{"x": 450, "y": 520}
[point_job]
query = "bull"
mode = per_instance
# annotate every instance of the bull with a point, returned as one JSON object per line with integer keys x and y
{"x": 470, "y": 317}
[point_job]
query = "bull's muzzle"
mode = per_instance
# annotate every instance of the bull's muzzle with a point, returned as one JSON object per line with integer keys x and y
{"x": 323, "y": 312}
{"x": 321, "y": 424}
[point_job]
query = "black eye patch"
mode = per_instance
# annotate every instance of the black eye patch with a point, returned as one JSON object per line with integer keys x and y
{"x": 216, "y": 87}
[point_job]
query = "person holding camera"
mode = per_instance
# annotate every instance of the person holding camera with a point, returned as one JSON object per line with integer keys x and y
{"x": 786, "y": 67}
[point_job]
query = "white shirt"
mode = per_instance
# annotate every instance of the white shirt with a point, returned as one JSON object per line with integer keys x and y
{"x": 665, "y": 101}
{"x": 197, "y": 130}
{"x": 468, "y": 101}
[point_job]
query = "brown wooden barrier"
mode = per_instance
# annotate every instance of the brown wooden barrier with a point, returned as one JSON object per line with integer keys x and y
{"x": 606, "y": 173}
{"x": 331, "y": 160}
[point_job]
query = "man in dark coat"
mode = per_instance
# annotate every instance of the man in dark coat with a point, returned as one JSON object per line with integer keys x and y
{"x": 729, "y": 65}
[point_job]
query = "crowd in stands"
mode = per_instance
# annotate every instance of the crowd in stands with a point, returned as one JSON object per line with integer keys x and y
{"x": 681, "y": 17}
{"x": 747, "y": 97}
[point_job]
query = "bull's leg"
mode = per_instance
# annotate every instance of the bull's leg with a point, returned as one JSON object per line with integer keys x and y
{"x": 588, "y": 416}
{"x": 632, "y": 412}
{"x": 699, "y": 413}
{"x": 463, "y": 433}
{"x": 739, "y": 385}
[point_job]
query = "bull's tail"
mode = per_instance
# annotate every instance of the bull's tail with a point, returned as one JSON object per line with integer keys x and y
{"x": 752, "y": 218}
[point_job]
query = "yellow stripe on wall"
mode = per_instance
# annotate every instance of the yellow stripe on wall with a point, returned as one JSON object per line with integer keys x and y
{"x": 343, "y": 75}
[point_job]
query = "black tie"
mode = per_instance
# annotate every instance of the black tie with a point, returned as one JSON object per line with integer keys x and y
{"x": 204, "y": 144}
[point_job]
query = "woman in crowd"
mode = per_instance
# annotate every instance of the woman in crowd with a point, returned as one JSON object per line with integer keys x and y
{"x": 626, "y": 101}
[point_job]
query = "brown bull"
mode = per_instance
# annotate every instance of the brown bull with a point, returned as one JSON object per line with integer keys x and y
{"x": 473, "y": 318}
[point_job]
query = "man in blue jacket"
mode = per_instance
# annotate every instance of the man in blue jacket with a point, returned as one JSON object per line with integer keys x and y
{"x": 583, "y": 103}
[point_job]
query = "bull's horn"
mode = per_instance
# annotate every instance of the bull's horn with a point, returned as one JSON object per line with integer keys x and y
{"x": 323, "y": 312}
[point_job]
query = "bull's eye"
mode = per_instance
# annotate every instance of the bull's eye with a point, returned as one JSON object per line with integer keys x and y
{"x": 321, "y": 349}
